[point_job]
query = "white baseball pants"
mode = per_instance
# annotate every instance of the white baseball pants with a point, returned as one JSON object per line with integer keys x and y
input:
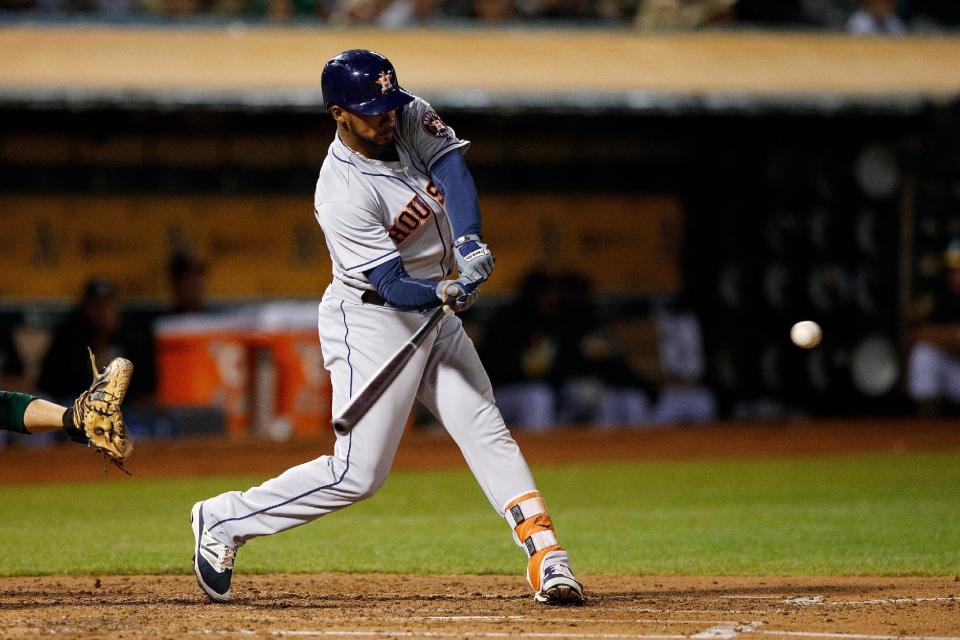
{"x": 445, "y": 374}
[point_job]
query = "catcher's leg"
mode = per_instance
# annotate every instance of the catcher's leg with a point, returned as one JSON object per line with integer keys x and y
{"x": 457, "y": 390}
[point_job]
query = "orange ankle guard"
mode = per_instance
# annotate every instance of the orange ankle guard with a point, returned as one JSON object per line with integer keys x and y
{"x": 534, "y": 531}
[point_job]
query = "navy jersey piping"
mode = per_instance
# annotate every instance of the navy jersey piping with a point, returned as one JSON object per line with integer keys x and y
{"x": 366, "y": 173}
{"x": 443, "y": 244}
{"x": 349, "y": 447}
{"x": 355, "y": 267}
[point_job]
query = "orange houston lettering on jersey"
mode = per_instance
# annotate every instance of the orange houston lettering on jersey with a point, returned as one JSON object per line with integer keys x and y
{"x": 414, "y": 213}
{"x": 434, "y": 193}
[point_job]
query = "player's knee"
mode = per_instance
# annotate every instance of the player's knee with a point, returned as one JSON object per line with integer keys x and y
{"x": 367, "y": 486}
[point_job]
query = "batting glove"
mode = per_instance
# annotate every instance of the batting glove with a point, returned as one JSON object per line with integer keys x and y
{"x": 458, "y": 295}
{"x": 474, "y": 260}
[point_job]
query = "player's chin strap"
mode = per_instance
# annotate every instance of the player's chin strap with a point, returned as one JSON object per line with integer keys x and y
{"x": 533, "y": 530}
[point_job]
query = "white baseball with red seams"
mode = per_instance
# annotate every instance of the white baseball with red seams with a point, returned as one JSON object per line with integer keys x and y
{"x": 371, "y": 212}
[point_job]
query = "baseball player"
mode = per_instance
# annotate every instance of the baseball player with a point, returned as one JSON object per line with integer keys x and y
{"x": 94, "y": 419}
{"x": 399, "y": 212}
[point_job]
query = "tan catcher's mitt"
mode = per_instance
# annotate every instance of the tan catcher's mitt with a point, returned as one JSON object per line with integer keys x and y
{"x": 96, "y": 417}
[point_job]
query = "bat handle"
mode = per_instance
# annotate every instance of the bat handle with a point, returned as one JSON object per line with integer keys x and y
{"x": 431, "y": 322}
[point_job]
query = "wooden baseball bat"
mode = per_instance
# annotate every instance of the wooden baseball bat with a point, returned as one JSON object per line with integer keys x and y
{"x": 359, "y": 404}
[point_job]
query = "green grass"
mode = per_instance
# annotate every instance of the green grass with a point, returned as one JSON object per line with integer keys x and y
{"x": 881, "y": 514}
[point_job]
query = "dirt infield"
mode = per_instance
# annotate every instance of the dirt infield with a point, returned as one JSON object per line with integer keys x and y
{"x": 414, "y": 606}
{"x": 390, "y": 606}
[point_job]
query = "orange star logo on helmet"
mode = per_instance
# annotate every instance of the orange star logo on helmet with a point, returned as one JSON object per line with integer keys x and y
{"x": 386, "y": 84}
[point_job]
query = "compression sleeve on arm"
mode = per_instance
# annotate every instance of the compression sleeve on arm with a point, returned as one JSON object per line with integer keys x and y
{"x": 13, "y": 406}
{"x": 451, "y": 175}
{"x": 396, "y": 287}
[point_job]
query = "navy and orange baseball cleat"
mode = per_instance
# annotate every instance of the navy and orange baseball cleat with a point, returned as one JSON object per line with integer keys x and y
{"x": 212, "y": 560}
{"x": 557, "y": 582}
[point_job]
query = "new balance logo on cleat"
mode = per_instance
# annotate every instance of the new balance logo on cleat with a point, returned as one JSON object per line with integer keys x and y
{"x": 212, "y": 560}
{"x": 558, "y": 585}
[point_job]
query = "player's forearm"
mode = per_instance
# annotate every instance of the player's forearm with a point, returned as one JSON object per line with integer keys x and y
{"x": 24, "y": 413}
{"x": 451, "y": 175}
{"x": 42, "y": 416}
{"x": 395, "y": 285}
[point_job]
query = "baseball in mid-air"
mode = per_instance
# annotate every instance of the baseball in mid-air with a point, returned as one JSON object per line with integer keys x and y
{"x": 806, "y": 334}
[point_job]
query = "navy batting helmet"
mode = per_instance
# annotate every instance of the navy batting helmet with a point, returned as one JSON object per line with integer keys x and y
{"x": 363, "y": 82}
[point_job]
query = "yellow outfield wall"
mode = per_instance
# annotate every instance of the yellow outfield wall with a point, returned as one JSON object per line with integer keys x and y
{"x": 271, "y": 247}
{"x": 434, "y": 61}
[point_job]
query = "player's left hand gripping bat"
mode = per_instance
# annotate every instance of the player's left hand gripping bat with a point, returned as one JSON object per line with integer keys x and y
{"x": 359, "y": 404}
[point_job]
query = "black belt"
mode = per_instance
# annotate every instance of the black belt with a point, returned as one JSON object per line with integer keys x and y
{"x": 372, "y": 297}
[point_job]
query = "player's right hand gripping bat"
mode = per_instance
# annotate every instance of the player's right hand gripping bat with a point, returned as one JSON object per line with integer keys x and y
{"x": 359, "y": 404}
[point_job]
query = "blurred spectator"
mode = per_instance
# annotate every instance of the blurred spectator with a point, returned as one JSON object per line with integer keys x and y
{"x": 683, "y": 398}
{"x": 871, "y": 16}
{"x": 357, "y": 11}
{"x": 556, "y": 9}
{"x": 493, "y": 10}
{"x": 552, "y": 362}
{"x": 187, "y": 282}
{"x": 933, "y": 376}
{"x": 11, "y": 366}
{"x": 782, "y": 12}
{"x": 932, "y": 15}
{"x": 175, "y": 9}
{"x": 115, "y": 9}
{"x": 102, "y": 9}
{"x": 94, "y": 322}
{"x": 597, "y": 386}
{"x": 405, "y": 13}
{"x": 675, "y": 15}
{"x": 188, "y": 286}
{"x": 519, "y": 352}
{"x": 876, "y": 17}
{"x": 827, "y": 14}
{"x": 18, "y": 5}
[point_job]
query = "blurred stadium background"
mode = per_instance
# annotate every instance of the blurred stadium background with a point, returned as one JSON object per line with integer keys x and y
{"x": 684, "y": 180}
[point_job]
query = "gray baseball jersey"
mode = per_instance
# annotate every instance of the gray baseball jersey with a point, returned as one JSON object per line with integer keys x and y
{"x": 372, "y": 212}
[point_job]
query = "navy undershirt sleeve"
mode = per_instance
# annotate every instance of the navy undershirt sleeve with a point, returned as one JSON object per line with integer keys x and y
{"x": 396, "y": 287}
{"x": 452, "y": 177}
